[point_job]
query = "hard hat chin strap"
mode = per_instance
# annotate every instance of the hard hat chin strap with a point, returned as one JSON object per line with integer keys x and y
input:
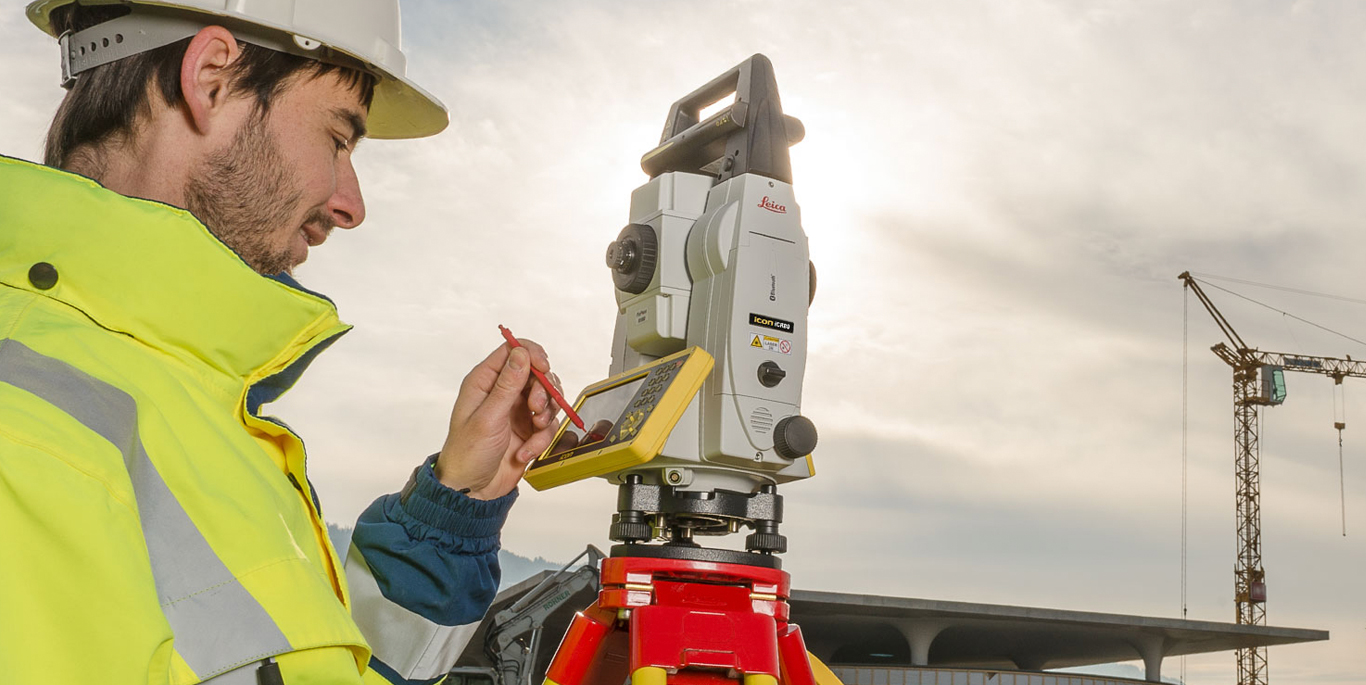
{"x": 145, "y": 30}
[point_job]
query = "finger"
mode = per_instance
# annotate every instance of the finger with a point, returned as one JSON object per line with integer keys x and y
{"x": 541, "y": 420}
{"x": 536, "y": 444}
{"x": 549, "y": 415}
{"x": 497, "y": 358}
{"x": 479, "y": 381}
{"x": 506, "y": 392}
{"x": 485, "y": 373}
{"x": 555, "y": 406}
{"x": 539, "y": 358}
{"x": 537, "y": 398}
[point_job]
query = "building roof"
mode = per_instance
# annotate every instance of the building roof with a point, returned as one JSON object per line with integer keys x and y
{"x": 852, "y": 628}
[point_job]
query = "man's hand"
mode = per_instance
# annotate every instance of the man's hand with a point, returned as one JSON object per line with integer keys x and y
{"x": 502, "y": 420}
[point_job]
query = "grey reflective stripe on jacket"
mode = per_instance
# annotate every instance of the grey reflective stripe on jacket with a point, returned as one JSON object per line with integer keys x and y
{"x": 218, "y": 625}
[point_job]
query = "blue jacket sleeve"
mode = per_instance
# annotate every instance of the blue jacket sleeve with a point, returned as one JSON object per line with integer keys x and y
{"x": 432, "y": 555}
{"x": 432, "y": 550}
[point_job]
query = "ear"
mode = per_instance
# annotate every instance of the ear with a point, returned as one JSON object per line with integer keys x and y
{"x": 204, "y": 78}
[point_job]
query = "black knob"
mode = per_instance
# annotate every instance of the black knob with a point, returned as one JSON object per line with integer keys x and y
{"x": 43, "y": 276}
{"x": 626, "y": 530}
{"x": 794, "y": 436}
{"x": 771, "y": 374}
{"x": 771, "y": 543}
{"x": 632, "y": 258}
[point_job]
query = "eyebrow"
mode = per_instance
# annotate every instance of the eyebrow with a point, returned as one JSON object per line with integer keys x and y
{"x": 352, "y": 119}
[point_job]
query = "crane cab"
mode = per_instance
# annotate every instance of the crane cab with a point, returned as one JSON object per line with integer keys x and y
{"x": 1270, "y": 385}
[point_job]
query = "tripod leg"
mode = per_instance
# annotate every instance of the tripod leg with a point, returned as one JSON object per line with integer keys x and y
{"x": 582, "y": 646}
{"x": 798, "y": 666}
{"x": 649, "y": 675}
{"x": 824, "y": 676}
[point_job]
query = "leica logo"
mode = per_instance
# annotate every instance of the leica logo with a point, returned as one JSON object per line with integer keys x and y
{"x": 772, "y": 206}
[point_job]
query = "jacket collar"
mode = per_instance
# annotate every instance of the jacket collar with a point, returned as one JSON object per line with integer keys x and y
{"x": 154, "y": 272}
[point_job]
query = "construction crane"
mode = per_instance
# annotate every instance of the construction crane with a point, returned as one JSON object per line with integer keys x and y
{"x": 1258, "y": 381}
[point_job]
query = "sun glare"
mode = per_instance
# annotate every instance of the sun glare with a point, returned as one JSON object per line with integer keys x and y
{"x": 725, "y": 101}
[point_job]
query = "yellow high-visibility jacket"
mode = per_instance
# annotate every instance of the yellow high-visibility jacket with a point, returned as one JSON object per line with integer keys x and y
{"x": 155, "y": 527}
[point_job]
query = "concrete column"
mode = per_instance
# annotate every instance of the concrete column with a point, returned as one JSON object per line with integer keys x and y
{"x": 920, "y": 635}
{"x": 1152, "y": 665}
{"x": 1153, "y": 650}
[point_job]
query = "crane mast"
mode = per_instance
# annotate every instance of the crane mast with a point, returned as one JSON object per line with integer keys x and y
{"x": 1258, "y": 381}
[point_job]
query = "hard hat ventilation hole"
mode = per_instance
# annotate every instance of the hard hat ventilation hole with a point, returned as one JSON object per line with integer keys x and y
{"x": 118, "y": 38}
{"x": 82, "y": 49}
{"x": 105, "y": 42}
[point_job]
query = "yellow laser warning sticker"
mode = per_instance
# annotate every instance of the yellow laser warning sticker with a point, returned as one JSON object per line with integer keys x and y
{"x": 770, "y": 343}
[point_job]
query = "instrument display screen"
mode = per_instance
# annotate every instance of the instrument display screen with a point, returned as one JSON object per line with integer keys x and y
{"x": 601, "y": 412}
{"x": 627, "y": 419}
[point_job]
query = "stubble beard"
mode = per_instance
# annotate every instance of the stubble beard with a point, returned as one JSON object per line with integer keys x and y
{"x": 246, "y": 196}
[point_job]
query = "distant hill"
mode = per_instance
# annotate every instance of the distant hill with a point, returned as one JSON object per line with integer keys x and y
{"x": 341, "y": 538}
{"x": 515, "y": 566}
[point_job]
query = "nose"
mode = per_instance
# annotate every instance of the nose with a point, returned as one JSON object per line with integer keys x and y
{"x": 346, "y": 204}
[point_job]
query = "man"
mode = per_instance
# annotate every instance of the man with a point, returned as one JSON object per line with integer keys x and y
{"x": 158, "y": 527}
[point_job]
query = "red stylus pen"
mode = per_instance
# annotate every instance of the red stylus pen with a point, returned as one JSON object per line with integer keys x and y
{"x": 549, "y": 387}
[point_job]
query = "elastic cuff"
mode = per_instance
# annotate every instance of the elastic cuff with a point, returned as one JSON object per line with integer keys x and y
{"x": 424, "y": 498}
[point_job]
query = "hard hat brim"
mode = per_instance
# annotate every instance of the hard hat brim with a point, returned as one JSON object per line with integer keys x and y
{"x": 400, "y": 109}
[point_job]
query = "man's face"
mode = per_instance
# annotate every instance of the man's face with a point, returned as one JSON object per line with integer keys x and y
{"x": 285, "y": 180}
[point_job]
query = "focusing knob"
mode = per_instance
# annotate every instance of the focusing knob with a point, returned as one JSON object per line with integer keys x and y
{"x": 794, "y": 436}
{"x": 632, "y": 258}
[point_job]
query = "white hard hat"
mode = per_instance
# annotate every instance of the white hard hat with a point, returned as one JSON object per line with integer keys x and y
{"x": 363, "y": 34}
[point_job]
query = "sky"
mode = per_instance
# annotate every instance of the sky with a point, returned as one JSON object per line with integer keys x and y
{"x": 999, "y": 197}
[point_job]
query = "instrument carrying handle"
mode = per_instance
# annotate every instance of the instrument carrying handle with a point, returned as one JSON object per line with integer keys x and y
{"x": 752, "y": 135}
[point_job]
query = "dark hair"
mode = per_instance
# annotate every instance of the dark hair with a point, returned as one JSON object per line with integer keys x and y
{"x": 105, "y": 101}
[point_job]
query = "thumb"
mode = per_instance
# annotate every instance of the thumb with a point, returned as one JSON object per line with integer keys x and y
{"x": 507, "y": 390}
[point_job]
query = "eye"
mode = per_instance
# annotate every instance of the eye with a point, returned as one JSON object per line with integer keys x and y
{"x": 341, "y": 144}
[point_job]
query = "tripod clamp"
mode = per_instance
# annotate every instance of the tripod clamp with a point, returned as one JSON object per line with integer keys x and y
{"x": 646, "y": 511}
